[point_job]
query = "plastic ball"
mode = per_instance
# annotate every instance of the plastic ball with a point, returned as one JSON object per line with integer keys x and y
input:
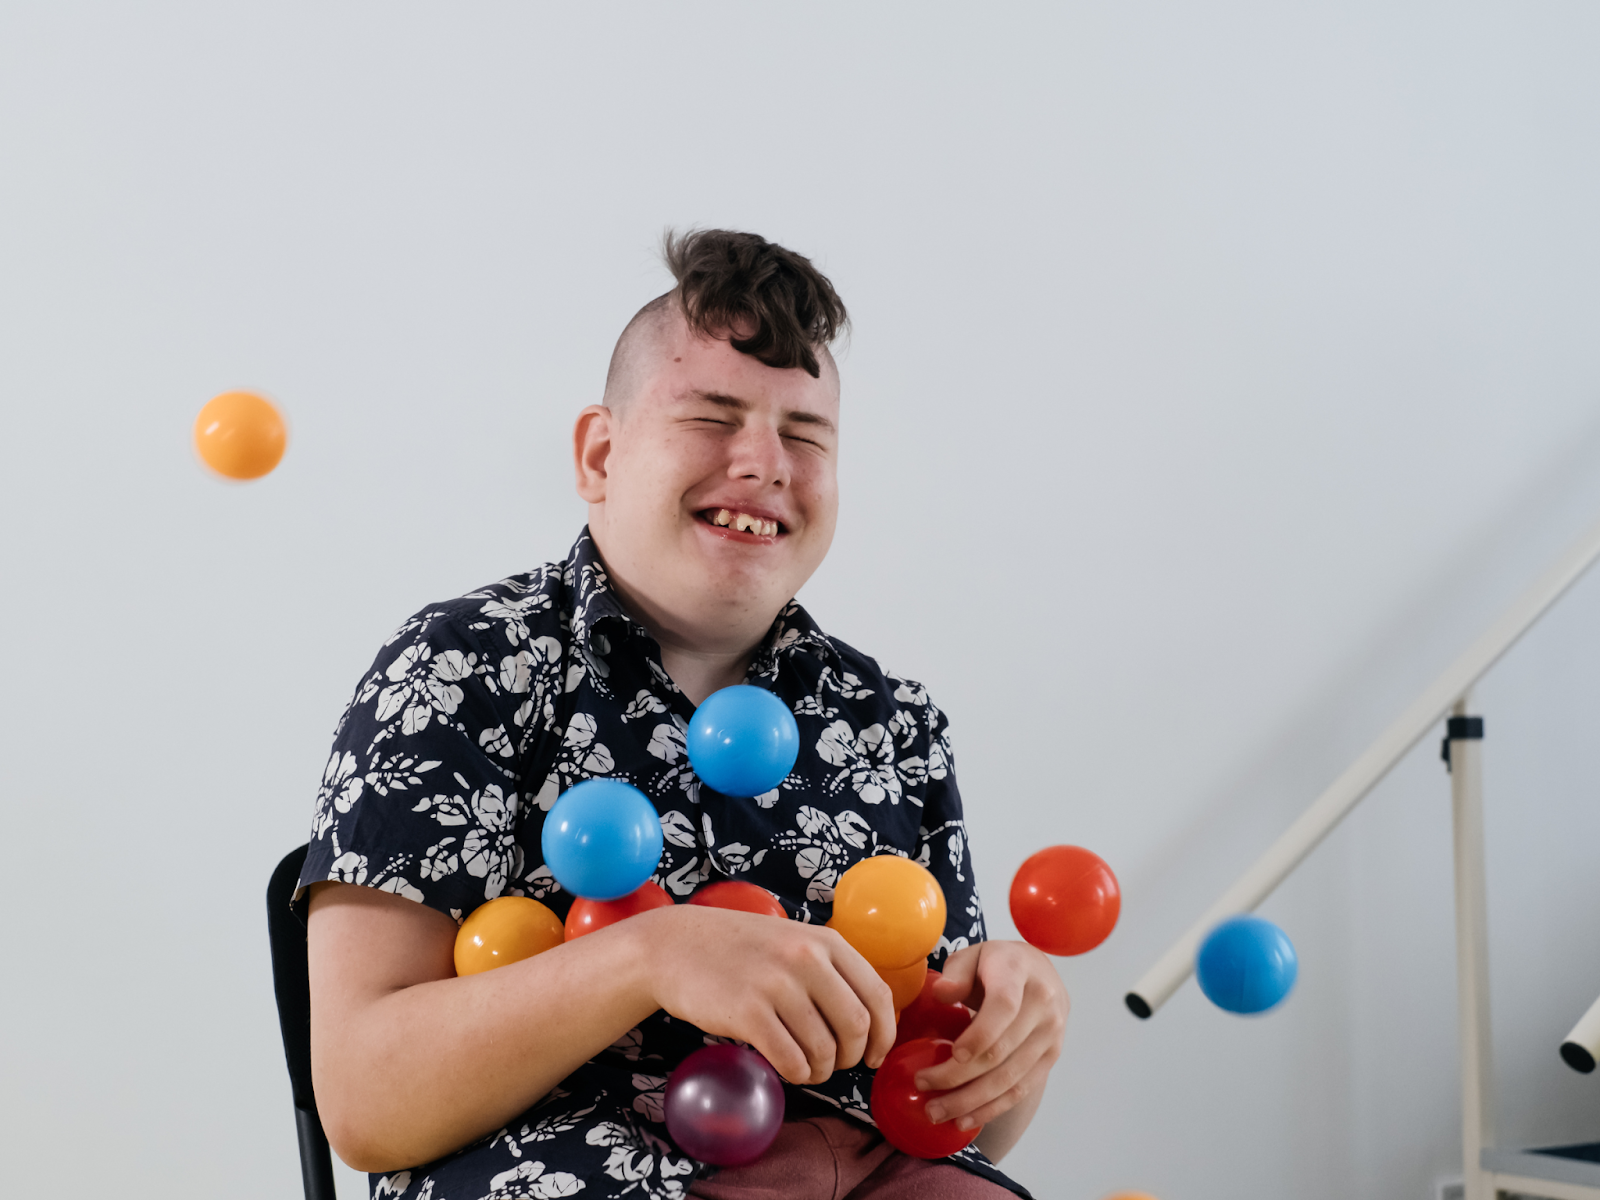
{"x": 240, "y": 435}
{"x": 1065, "y": 900}
{"x": 724, "y": 1105}
{"x": 743, "y": 741}
{"x": 1246, "y": 965}
{"x": 505, "y": 930}
{"x": 890, "y": 909}
{"x": 740, "y": 896}
{"x": 602, "y": 839}
{"x": 1131, "y": 1196}
{"x": 926, "y": 1017}
{"x": 585, "y": 916}
{"x": 905, "y": 983}
{"x": 901, "y": 1111}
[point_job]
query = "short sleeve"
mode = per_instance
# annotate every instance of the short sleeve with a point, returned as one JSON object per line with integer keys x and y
{"x": 942, "y": 844}
{"x": 420, "y": 796}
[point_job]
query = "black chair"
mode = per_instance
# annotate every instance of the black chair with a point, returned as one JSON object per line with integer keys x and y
{"x": 292, "y": 984}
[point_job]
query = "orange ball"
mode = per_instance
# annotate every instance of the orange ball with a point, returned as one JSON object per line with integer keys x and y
{"x": 1065, "y": 900}
{"x": 905, "y": 983}
{"x": 505, "y": 930}
{"x": 1131, "y": 1196}
{"x": 890, "y": 909}
{"x": 240, "y": 435}
{"x": 741, "y": 897}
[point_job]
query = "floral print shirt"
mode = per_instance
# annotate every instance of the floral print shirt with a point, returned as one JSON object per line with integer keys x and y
{"x": 480, "y": 711}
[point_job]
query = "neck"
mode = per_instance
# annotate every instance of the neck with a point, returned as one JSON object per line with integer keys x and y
{"x": 698, "y": 673}
{"x": 699, "y": 656}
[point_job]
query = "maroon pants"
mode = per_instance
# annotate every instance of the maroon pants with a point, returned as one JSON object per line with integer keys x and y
{"x": 830, "y": 1158}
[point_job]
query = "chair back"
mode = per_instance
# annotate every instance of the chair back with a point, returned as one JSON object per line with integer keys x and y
{"x": 292, "y": 984}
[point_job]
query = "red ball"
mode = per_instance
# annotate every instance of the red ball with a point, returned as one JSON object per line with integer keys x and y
{"x": 740, "y": 896}
{"x": 926, "y": 1017}
{"x": 585, "y": 916}
{"x": 1065, "y": 900}
{"x": 901, "y": 1111}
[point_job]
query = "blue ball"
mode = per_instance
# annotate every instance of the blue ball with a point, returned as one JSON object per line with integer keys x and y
{"x": 1246, "y": 965}
{"x": 602, "y": 839}
{"x": 743, "y": 741}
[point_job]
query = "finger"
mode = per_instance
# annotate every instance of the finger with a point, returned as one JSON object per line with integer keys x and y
{"x": 994, "y": 1091}
{"x": 812, "y": 1033}
{"x": 997, "y": 1030}
{"x": 1030, "y": 1085}
{"x": 772, "y": 1039}
{"x": 871, "y": 995}
{"x": 958, "y": 982}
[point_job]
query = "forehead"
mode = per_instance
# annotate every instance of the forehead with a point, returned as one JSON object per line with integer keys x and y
{"x": 688, "y": 368}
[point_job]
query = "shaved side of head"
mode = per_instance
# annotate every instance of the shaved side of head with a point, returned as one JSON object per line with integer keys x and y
{"x": 650, "y": 336}
{"x": 766, "y": 301}
{"x": 642, "y": 344}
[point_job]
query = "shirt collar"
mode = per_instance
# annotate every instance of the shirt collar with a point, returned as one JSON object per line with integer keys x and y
{"x": 595, "y": 602}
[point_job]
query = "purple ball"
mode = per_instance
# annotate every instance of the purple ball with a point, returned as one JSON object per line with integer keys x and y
{"x": 724, "y": 1105}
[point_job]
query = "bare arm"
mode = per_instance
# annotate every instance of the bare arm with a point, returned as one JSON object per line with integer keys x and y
{"x": 410, "y": 1062}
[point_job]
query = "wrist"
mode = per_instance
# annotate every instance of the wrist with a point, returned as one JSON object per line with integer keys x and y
{"x": 648, "y": 956}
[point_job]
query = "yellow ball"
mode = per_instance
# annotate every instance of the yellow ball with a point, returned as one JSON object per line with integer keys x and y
{"x": 240, "y": 435}
{"x": 890, "y": 909}
{"x": 506, "y": 930}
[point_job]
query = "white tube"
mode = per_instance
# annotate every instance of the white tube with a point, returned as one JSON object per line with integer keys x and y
{"x": 1582, "y": 1047}
{"x": 1256, "y": 884}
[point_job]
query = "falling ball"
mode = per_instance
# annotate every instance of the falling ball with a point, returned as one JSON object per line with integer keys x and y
{"x": 901, "y": 1109}
{"x": 586, "y": 916}
{"x": 724, "y": 1105}
{"x": 743, "y": 741}
{"x": 740, "y": 896}
{"x": 1246, "y": 965}
{"x": 240, "y": 435}
{"x": 602, "y": 839}
{"x": 505, "y": 930}
{"x": 1065, "y": 900}
{"x": 905, "y": 983}
{"x": 890, "y": 909}
{"x": 927, "y": 1017}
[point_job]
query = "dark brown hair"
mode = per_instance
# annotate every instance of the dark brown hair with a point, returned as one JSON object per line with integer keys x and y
{"x": 729, "y": 280}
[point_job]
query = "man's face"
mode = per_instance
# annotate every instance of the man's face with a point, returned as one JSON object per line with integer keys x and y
{"x": 716, "y": 496}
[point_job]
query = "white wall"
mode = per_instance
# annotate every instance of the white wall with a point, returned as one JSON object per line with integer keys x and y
{"x": 1218, "y": 370}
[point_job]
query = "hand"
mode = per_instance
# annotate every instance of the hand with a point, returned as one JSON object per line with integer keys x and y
{"x": 1005, "y": 1055}
{"x": 797, "y": 993}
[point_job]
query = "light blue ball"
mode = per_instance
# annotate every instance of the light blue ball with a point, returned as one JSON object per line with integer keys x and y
{"x": 1246, "y": 965}
{"x": 743, "y": 741}
{"x": 602, "y": 839}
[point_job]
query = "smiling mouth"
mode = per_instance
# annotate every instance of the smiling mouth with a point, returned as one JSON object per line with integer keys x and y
{"x": 741, "y": 522}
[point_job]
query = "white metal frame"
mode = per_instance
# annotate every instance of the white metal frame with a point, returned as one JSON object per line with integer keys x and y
{"x": 1585, "y": 1037}
{"x": 1449, "y": 694}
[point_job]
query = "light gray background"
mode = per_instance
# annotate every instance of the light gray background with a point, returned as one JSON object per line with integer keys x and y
{"x": 1218, "y": 371}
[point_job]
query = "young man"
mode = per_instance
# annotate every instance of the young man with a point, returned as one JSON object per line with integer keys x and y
{"x": 710, "y": 477}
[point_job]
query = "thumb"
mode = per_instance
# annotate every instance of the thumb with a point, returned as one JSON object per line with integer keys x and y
{"x": 959, "y": 976}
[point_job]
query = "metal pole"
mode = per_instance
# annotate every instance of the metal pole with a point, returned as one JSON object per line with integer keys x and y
{"x": 1582, "y": 1047}
{"x": 1256, "y": 884}
{"x": 1464, "y": 750}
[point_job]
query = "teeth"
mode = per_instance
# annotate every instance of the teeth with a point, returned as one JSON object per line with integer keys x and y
{"x": 745, "y": 522}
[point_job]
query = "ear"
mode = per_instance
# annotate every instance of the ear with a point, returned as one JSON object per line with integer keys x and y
{"x": 591, "y": 446}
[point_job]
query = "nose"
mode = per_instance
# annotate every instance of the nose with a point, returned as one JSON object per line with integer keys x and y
{"x": 758, "y": 455}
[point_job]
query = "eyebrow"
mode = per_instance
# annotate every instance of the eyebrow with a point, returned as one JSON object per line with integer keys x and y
{"x": 794, "y": 415}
